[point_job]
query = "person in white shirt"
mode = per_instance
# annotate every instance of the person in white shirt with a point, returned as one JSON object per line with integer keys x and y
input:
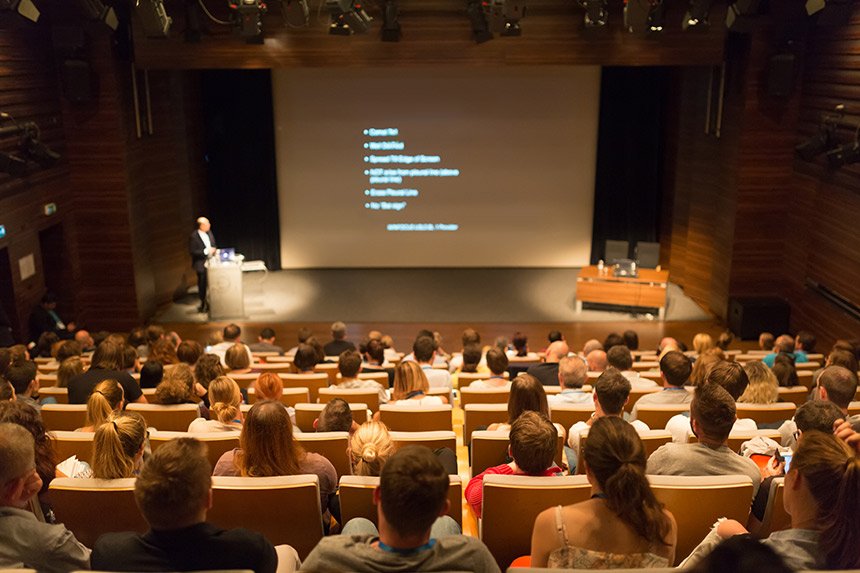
{"x": 620, "y": 358}
{"x": 424, "y": 350}
{"x": 497, "y": 362}
{"x": 675, "y": 369}
{"x": 232, "y": 335}
{"x": 470, "y": 337}
{"x": 572, "y": 374}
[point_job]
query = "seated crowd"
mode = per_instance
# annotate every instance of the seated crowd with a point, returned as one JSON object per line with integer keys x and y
{"x": 708, "y": 392}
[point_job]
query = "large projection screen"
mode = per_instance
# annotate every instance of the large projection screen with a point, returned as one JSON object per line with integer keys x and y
{"x": 440, "y": 167}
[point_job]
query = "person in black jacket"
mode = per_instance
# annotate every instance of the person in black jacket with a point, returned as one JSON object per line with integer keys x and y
{"x": 201, "y": 245}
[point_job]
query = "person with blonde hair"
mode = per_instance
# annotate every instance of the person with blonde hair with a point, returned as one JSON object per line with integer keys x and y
{"x": 763, "y": 387}
{"x": 106, "y": 398}
{"x": 703, "y": 365}
{"x": 225, "y": 399}
{"x": 118, "y": 446}
{"x": 369, "y": 448}
{"x": 69, "y": 368}
{"x": 411, "y": 387}
{"x": 703, "y": 342}
{"x": 237, "y": 359}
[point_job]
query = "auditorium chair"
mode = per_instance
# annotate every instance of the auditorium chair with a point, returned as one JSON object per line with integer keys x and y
{"x": 815, "y": 357}
{"x": 368, "y": 396}
{"x": 655, "y": 416}
{"x": 475, "y": 415}
{"x": 646, "y": 366}
{"x": 511, "y": 503}
{"x": 433, "y": 439}
{"x": 274, "y": 358}
{"x": 149, "y": 394}
{"x": 61, "y": 395}
{"x": 379, "y": 377}
{"x": 43, "y": 360}
{"x": 416, "y": 419}
{"x": 697, "y": 502}
{"x": 737, "y": 438}
{"x": 483, "y": 396}
{"x": 329, "y": 369}
{"x": 217, "y": 443}
{"x": 46, "y": 381}
{"x": 173, "y": 417}
{"x": 569, "y": 414}
{"x": 854, "y": 408}
{"x": 775, "y": 517}
{"x": 490, "y": 449}
{"x": 653, "y": 376}
{"x": 313, "y": 382}
{"x": 276, "y": 367}
{"x": 636, "y": 394}
{"x": 805, "y": 378}
{"x": 615, "y": 251}
{"x": 647, "y": 254}
{"x": 49, "y": 368}
{"x": 285, "y": 509}
{"x": 647, "y": 355}
{"x": 466, "y": 378}
{"x": 68, "y": 444}
{"x": 356, "y": 498}
{"x": 91, "y": 507}
{"x": 289, "y": 396}
{"x": 651, "y": 439}
{"x": 810, "y": 365}
{"x": 307, "y": 413}
{"x": 767, "y": 413}
{"x": 332, "y": 446}
{"x": 244, "y": 380}
{"x": 64, "y": 416}
{"x": 795, "y": 394}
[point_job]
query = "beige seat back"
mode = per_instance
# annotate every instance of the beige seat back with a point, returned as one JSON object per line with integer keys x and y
{"x": 651, "y": 439}
{"x": 61, "y": 395}
{"x": 217, "y": 443}
{"x": 805, "y": 378}
{"x": 511, "y": 503}
{"x": 483, "y": 396}
{"x": 47, "y": 380}
{"x": 313, "y": 382}
{"x": 289, "y": 396}
{"x": 656, "y": 416}
{"x": 244, "y": 380}
{"x": 775, "y": 517}
{"x": 854, "y": 408}
{"x": 433, "y": 439}
{"x": 569, "y": 414}
{"x": 491, "y": 449}
{"x": 68, "y": 444}
{"x": 420, "y": 419}
{"x": 466, "y": 378}
{"x": 92, "y": 507}
{"x": 329, "y": 369}
{"x": 634, "y": 397}
{"x": 307, "y": 413}
{"x": 175, "y": 417}
{"x": 285, "y": 509}
{"x": 330, "y": 445}
{"x": 767, "y": 413}
{"x": 476, "y": 415}
{"x": 795, "y": 394}
{"x": 276, "y": 367}
{"x": 356, "y": 498}
{"x": 367, "y": 396}
{"x": 380, "y": 378}
{"x": 64, "y": 416}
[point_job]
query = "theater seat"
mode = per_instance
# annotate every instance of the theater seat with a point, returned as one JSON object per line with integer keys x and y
{"x": 61, "y": 395}
{"x": 466, "y": 378}
{"x": 64, "y": 416}
{"x": 289, "y": 396}
{"x": 569, "y": 414}
{"x": 483, "y": 396}
{"x": 356, "y": 498}
{"x": 313, "y": 382}
{"x": 416, "y": 419}
{"x": 68, "y": 444}
{"x": 244, "y": 380}
{"x": 767, "y": 413}
{"x": 432, "y": 439}
{"x": 307, "y": 413}
{"x": 795, "y": 394}
{"x": 329, "y": 369}
{"x": 737, "y": 438}
{"x": 775, "y": 517}
{"x": 367, "y": 396}
{"x": 331, "y": 445}
{"x": 656, "y": 416}
{"x": 175, "y": 417}
{"x": 651, "y": 439}
{"x": 475, "y": 415}
{"x": 92, "y": 507}
{"x": 217, "y": 443}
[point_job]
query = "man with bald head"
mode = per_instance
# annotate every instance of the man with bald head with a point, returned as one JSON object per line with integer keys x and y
{"x": 596, "y": 361}
{"x": 86, "y": 341}
{"x": 667, "y": 342}
{"x": 590, "y": 345}
{"x": 201, "y": 245}
{"x": 547, "y": 371}
{"x": 784, "y": 344}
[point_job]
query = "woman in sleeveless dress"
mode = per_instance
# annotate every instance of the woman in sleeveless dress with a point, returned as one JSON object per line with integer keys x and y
{"x": 622, "y": 525}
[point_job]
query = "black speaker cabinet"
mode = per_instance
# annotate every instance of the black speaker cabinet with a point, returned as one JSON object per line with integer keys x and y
{"x": 750, "y": 316}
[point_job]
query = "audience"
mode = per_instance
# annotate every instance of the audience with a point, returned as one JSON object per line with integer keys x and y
{"x": 631, "y": 339}
{"x": 527, "y": 393}
{"x": 472, "y": 358}
{"x": 18, "y": 413}
{"x": 225, "y": 399}
{"x": 370, "y": 447}
{"x": 231, "y": 335}
{"x": 547, "y": 371}
{"x": 152, "y": 373}
{"x": 118, "y": 446}
{"x": 411, "y": 386}
{"x": 106, "y": 365}
{"x": 766, "y": 341}
{"x": 675, "y": 370}
{"x": 302, "y": 335}
{"x": 837, "y": 385}
{"x": 336, "y": 416}
{"x": 178, "y": 387}
{"x": 189, "y": 352}
{"x": 207, "y": 369}
{"x": 424, "y": 352}
{"x": 497, "y": 363}
{"x": 306, "y": 359}
{"x": 763, "y": 387}
{"x": 349, "y": 365}
{"x": 470, "y": 339}
{"x": 702, "y": 342}
{"x": 784, "y": 371}
{"x": 69, "y": 368}
{"x": 266, "y": 342}
{"x": 162, "y": 351}
{"x": 785, "y": 344}
{"x": 596, "y": 360}
{"x": 338, "y": 342}
{"x": 612, "y": 339}
{"x": 704, "y": 363}
{"x": 572, "y": 375}
{"x": 107, "y": 398}
{"x": 620, "y": 358}
{"x": 237, "y": 360}
{"x": 22, "y": 376}
{"x": 591, "y": 345}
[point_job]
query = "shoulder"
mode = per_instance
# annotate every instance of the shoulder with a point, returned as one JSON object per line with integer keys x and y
{"x": 114, "y": 545}
{"x": 316, "y": 463}
{"x": 226, "y": 464}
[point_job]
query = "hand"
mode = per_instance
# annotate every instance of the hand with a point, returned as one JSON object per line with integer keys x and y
{"x": 773, "y": 468}
{"x": 32, "y": 485}
{"x": 730, "y": 528}
{"x": 845, "y": 432}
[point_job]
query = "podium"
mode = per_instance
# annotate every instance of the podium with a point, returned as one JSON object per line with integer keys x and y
{"x": 226, "y": 294}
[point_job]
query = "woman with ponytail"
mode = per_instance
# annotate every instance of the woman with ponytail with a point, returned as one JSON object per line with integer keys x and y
{"x": 369, "y": 448}
{"x": 118, "y": 446}
{"x": 225, "y": 400}
{"x": 106, "y": 398}
{"x": 622, "y": 525}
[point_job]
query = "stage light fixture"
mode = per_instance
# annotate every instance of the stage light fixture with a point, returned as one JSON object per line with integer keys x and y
{"x": 347, "y": 17}
{"x": 644, "y": 16}
{"x": 247, "y": 18}
{"x": 596, "y": 13}
{"x": 96, "y": 11}
{"x": 696, "y": 17}
{"x": 845, "y": 154}
{"x": 480, "y": 28}
{"x": 390, "y": 22}
{"x": 24, "y": 8}
{"x": 295, "y": 13}
{"x": 153, "y": 18}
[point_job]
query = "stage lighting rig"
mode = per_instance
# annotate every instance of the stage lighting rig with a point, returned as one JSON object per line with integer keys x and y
{"x": 390, "y": 22}
{"x": 247, "y": 16}
{"x": 347, "y": 17}
{"x": 644, "y": 16}
{"x": 596, "y": 13}
{"x": 30, "y": 146}
{"x": 96, "y": 11}
{"x": 697, "y": 14}
{"x": 24, "y": 8}
{"x": 478, "y": 18}
{"x": 153, "y": 18}
{"x": 295, "y": 13}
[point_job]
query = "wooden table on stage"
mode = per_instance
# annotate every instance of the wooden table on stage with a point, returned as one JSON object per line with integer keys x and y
{"x": 646, "y": 290}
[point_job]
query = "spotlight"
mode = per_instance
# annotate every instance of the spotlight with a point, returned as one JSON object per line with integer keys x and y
{"x": 480, "y": 27}
{"x": 248, "y": 19}
{"x": 503, "y": 16}
{"x": 153, "y": 18}
{"x": 295, "y": 13}
{"x": 25, "y": 8}
{"x": 11, "y": 164}
{"x": 696, "y": 17}
{"x": 96, "y": 11}
{"x": 844, "y": 154}
{"x": 644, "y": 15}
{"x": 390, "y": 23}
{"x": 596, "y": 13}
{"x": 347, "y": 17}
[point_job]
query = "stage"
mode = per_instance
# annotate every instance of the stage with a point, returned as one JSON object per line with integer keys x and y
{"x": 449, "y": 295}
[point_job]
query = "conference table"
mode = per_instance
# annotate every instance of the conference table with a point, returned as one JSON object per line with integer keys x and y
{"x": 647, "y": 290}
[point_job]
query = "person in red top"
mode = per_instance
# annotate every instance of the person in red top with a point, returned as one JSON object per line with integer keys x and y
{"x": 534, "y": 440}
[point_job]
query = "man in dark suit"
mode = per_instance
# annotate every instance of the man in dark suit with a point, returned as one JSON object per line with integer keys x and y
{"x": 201, "y": 245}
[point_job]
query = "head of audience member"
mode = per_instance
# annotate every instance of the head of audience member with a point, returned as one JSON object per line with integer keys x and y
{"x": 44, "y": 344}
{"x": 590, "y": 345}
{"x": 785, "y": 371}
{"x": 151, "y": 374}
{"x": 22, "y": 376}
{"x": 408, "y": 378}
{"x": 18, "y": 353}
{"x": 370, "y": 446}
{"x": 153, "y": 334}
{"x": 725, "y": 340}
{"x": 835, "y": 383}
{"x": 612, "y": 339}
{"x": 731, "y": 376}
{"x": 306, "y": 358}
{"x": 533, "y": 442}
{"x": 572, "y": 372}
{"x": 7, "y": 391}
{"x": 620, "y": 358}
{"x": 819, "y": 415}
{"x": 615, "y": 462}
{"x": 611, "y": 392}
{"x": 596, "y": 361}
{"x": 471, "y": 358}
{"x": 470, "y": 336}
{"x": 631, "y": 339}
{"x": 163, "y": 351}
{"x": 136, "y": 336}
{"x": 675, "y": 369}
{"x": 497, "y": 361}
{"x": 667, "y": 342}
{"x": 521, "y": 343}
{"x": 19, "y": 480}
{"x": 177, "y": 387}
{"x": 106, "y": 398}
{"x": 225, "y": 400}
{"x": 851, "y": 346}
{"x": 805, "y": 341}
{"x": 765, "y": 341}
{"x": 437, "y": 340}
{"x": 15, "y": 412}
{"x": 189, "y": 352}
{"x": 763, "y": 387}
{"x": 703, "y": 365}
{"x": 554, "y": 336}
{"x": 267, "y": 444}
{"x": 303, "y": 334}
{"x": 236, "y": 358}
{"x": 412, "y": 493}
{"x": 842, "y": 358}
{"x": 784, "y": 343}
{"x": 174, "y": 488}
{"x": 269, "y": 386}
{"x": 712, "y": 414}
{"x": 349, "y": 364}
{"x": 232, "y": 333}
{"x": 69, "y": 368}
{"x": 527, "y": 393}
{"x": 424, "y": 349}
{"x": 374, "y": 335}
{"x": 387, "y": 341}
{"x": 131, "y": 359}
{"x": 336, "y": 416}
{"x": 266, "y": 335}
{"x": 118, "y": 446}
{"x": 338, "y": 330}
{"x": 741, "y": 554}
{"x": 821, "y": 492}
{"x": 556, "y": 351}
{"x": 374, "y": 352}
{"x": 501, "y": 342}
{"x": 107, "y": 356}
{"x": 702, "y": 342}
{"x": 67, "y": 349}
{"x": 84, "y": 338}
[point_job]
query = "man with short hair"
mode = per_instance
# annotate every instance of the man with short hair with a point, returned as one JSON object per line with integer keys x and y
{"x": 470, "y": 337}
{"x": 232, "y": 334}
{"x": 805, "y": 342}
{"x": 497, "y": 362}
{"x": 412, "y": 494}
{"x": 765, "y": 341}
{"x": 86, "y": 341}
{"x": 23, "y": 378}
{"x": 712, "y": 414}
{"x": 44, "y": 318}
{"x": 667, "y": 342}
{"x": 424, "y": 351}
{"x": 837, "y": 385}
{"x": 620, "y": 358}
{"x": 174, "y": 493}
{"x": 572, "y": 375}
{"x": 596, "y": 360}
{"x": 338, "y": 342}
{"x": 534, "y": 440}
{"x": 26, "y": 542}
{"x": 266, "y": 342}
{"x": 201, "y": 246}
{"x": 302, "y": 335}
{"x": 349, "y": 365}
{"x": 547, "y": 371}
{"x": 336, "y": 416}
{"x": 675, "y": 370}
{"x": 785, "y": 344}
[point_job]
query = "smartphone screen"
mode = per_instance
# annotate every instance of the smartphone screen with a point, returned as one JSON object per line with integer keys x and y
{"x": 787, "y": 457}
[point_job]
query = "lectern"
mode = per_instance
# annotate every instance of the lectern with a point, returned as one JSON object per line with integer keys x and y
{"x": 226, "y": 295}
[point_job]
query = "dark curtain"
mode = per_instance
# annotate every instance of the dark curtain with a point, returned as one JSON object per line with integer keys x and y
{"x": 242, "y": 191}
{"x": 629, "y": 175}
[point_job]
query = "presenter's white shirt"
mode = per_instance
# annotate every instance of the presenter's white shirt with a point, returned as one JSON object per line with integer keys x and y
{"x": 207, "y": 244}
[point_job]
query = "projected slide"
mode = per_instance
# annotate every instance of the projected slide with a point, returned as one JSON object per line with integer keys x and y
{"x": 436, "y": 168}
